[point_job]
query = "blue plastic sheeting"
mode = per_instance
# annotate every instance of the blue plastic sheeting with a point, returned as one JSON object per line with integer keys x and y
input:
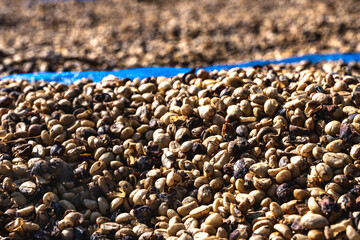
{"x": 69, "y": 77}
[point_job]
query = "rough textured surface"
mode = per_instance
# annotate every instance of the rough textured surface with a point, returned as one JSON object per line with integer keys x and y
{"x": 254, "y": 153}
{"x": 38, "y": 36}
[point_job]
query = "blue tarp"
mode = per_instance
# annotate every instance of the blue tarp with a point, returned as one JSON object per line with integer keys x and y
{"x": 69, "y": 77}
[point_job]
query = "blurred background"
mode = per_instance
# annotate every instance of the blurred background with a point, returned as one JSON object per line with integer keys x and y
{"x": 49, "y": 35}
